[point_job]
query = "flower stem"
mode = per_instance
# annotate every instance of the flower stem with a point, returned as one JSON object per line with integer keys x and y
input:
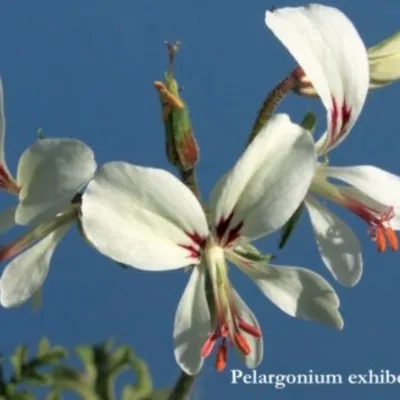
{"x": 182, "y": 387}
{"x": 271, "y": 102}
{"x": 189, "y": 178}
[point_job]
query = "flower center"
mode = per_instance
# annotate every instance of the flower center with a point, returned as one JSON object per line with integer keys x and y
{"x": 229, "y": 325}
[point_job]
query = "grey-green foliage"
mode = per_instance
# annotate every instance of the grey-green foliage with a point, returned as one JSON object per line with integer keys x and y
{"x": 102, "y": 364}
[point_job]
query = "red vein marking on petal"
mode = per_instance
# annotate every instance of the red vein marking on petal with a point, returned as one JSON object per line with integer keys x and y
{"x": 196, "y": 247}
{"x": 234, "y": 233}
{"x": 222, "y": 225}
{"x": 222, "y": 229}
{"x": 343, "y": 117}
{"x": 6, "y": 180}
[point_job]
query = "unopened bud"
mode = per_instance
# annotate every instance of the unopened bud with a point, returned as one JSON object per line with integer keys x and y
{"x": 384, "y": 62}
{"x": 181, "y": 146}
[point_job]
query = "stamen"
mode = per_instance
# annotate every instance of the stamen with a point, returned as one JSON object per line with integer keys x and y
{"x": 242, "y": 343}
{"x": 250, "y": 329}
{"x": 382, "y": 233}
{"x": 209, "y": 345}
{"x": 380, "y": 230}
{"x": 221, "y": 357}
{"x": 380, "y": 239}
{"x": 392, "y": 239}
{"x": 235, "y": 337}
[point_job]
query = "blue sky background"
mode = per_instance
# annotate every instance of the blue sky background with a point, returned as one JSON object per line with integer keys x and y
{"x": 85, "y": 69}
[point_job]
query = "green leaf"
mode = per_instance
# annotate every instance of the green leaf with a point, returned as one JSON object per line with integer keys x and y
{"x": 37, "y": 378}
{"x": 43, "y": 347}
{"x": 18, "y": 360}
{"x": 53, "y": 356}
{"x": 288, "y": 228}
{"x": 54, "y": 394}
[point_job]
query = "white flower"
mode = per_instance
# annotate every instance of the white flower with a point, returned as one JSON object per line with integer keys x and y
{"x": 330, "y": 52}
{"x": 50, "y": 174}
{"x": 383, "y": 58}
{"x": 146, "y": 218}
{"x": 384, "y": 61}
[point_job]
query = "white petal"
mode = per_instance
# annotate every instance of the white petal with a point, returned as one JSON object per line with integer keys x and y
{"x": 330, "y": 51}
{"x": 51, "y": 172}
{"x": 380, "y": 185}
{"x": 7, "y": 219}
{"x": 192, "y": 324}
{"x": 339, "y": 247}
{"x": 27, "y": 272}
{"x": 142, "y": 217}
{"x": 298, "y": 292}
{"x": 268, "y": 182}
{"x": 254, "y": 358}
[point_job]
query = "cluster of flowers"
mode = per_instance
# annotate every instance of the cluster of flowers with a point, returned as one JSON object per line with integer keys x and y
{"x": 148, "y": 219}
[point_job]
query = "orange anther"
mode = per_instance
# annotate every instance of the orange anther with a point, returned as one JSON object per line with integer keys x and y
{"x": 221, "y": 357}
{"x": 392, "y": 239}
{"x": 250, "y": 329}
{"x": 380, "y": 239}
{"x": 242, "y": 343}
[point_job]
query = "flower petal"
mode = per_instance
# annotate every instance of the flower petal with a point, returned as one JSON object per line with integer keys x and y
{"x": 379, "y": 185}
{"x": 254, "y": 358}
{"x": 377, "y": 207}
{"x": 298, "y": 292}
{"x": 143, "y": 217}
{"x": 331, "y": 53}
{"x": 51, "y": 172}
{"x": 27, "y": 272}
{"x": 7, "y": 219}
{"x": 339, "y": 247}
{"x": 192, "y": 324}
{"x": 268, "y": 182}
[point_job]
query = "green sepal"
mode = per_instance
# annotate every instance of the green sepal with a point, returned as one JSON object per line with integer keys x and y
{"x": 288, "y": 228}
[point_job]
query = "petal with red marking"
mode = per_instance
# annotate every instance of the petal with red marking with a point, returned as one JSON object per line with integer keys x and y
{"x": 143, "y": 217}
{"x": 331, "y": 53}
{"x": 268, "y": 182}
{"x": 376, "y": 183}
